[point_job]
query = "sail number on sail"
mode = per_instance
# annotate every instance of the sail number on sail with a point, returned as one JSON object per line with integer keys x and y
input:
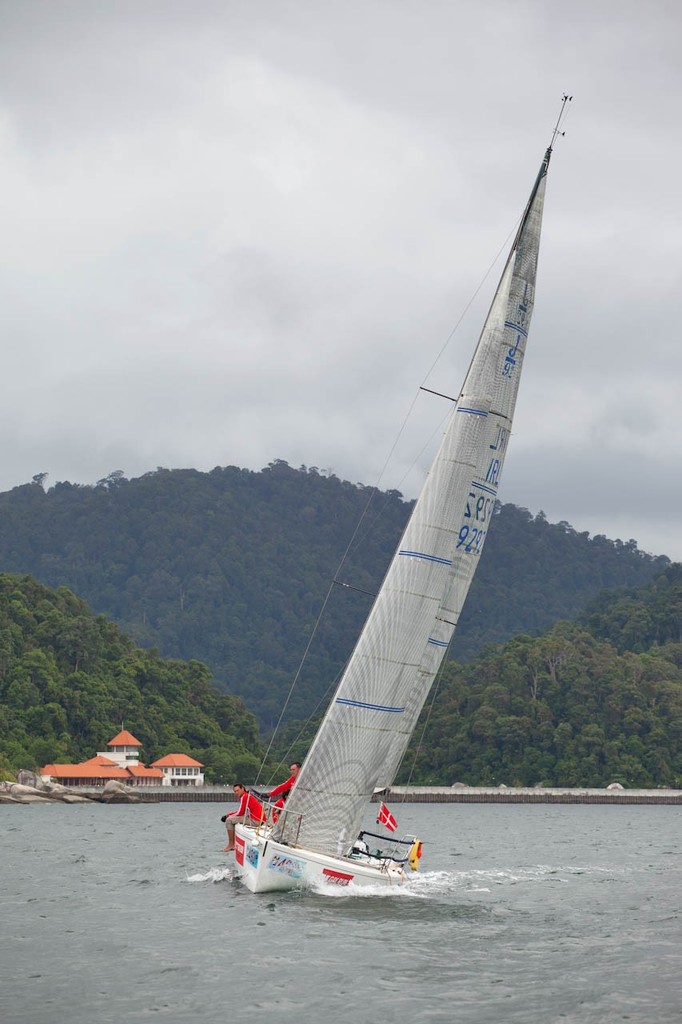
{"x": 480, "y": 506}
{"x": 521, "y": 335}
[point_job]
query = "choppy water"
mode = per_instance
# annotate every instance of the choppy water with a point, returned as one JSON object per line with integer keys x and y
{"x": 520, "y": 915}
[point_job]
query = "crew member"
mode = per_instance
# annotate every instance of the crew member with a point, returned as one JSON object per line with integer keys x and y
{"x": 282, "y": 791}
{"x": 249, "y": 812}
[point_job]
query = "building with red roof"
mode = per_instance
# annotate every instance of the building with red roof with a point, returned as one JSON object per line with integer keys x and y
{"x": 124, "y": 739}
{"x": 85, "y": 774}
{"x": 145, "y": 776}
{"x": 122, "y": 762}
{"x": 180, "y": 770}
{"x": 100, "y": 759}
{"x": 124, "y": 749}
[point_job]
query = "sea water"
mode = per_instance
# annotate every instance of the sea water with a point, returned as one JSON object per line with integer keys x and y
{"x": 528, "y": 914}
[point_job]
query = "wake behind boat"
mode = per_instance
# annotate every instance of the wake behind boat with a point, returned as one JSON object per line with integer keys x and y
{"x": 367, "y": 728}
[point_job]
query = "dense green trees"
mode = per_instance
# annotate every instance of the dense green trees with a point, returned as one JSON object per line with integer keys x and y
{"x": 231, "y": 567}
{"x": 586, "y": 704}
{"x": 583, "y": 705}
{"x": 69, "y": 679}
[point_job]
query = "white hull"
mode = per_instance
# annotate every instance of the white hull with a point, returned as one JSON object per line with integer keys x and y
{"x": 264, "y": 865}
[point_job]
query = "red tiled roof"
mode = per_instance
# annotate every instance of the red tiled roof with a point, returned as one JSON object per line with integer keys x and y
{"x": 139, "y": 771}
{"x": 101, "y": 760}
{"x": 83, "y": 771}
{"x": 177, "y": 761}
{"x": 124, "y": 739}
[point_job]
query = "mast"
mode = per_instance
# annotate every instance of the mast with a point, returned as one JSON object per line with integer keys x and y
{"x": 372, "y": 716}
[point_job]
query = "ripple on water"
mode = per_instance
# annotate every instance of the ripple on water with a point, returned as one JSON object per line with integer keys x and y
{"x": 552, "y": 914}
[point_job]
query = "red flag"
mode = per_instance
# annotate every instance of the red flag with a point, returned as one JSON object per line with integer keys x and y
{"x": 384, "y": 817}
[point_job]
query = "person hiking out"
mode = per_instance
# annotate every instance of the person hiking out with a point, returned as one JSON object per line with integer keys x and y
{"x": 249, "y": 812}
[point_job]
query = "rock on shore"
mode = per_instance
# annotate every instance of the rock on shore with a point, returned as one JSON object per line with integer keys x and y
{"x": 32, "y": 790}
{"x": 115, "y": 792}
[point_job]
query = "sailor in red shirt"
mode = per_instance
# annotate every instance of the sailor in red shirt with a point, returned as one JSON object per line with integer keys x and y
{"x": 250, "y": 812}
{"x": 284, "y": 788}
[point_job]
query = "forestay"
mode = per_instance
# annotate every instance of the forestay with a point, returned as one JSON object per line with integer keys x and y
{"x": 371, "y": 718}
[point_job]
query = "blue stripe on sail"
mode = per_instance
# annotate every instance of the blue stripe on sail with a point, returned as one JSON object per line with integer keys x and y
{"x": 516, "y": 327}
{"x": 438, "y": 643}
{"x": 427, "y": 558}
{"x": 484, "y": 487}
{"x": 368, "y": 707}
{"x": 472, "y": 412}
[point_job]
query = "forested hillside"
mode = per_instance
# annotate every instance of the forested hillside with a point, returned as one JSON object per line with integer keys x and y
{"x": 587, "y": 704}
{"x": 231, "y": 567}
{"x": 69, "y": 679}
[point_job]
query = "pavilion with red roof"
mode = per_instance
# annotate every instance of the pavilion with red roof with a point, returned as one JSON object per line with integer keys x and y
{"x": 123, "y": 750}
{"x": 122, "y": 762}
{"x": 180, "y": 770}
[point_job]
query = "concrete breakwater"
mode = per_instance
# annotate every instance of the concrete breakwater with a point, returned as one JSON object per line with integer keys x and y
{"x": 458, "y": 794}
{"x": 451, "y": 795}
{"x": 465, "y": 795}
{"x": 538, "y": 795}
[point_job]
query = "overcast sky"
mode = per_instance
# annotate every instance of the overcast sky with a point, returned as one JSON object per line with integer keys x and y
{"x": 234, "y": 232}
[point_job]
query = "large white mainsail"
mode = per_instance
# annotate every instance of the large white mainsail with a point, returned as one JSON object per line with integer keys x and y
{"x": 368, "y": 725}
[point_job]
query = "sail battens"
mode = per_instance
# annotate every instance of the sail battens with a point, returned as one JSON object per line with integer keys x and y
{"x": 437, "y": 643}
{"x": 426, "y": 557}
{"x": 484, "y": 487}
{"x": 368, "y": 707}
{"x": 516, "y": 327}
{"x": 472, "y": 412}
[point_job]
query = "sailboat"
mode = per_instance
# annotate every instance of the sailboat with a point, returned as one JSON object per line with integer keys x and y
{"x": 366, "y": 730}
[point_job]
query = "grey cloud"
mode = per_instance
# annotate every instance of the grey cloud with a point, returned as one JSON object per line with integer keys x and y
{"x": 239, "y": 232}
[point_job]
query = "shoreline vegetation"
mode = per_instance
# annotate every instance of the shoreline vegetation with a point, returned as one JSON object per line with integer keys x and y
{"x": 587, "y": 705}
{"x": 116, "y": 792}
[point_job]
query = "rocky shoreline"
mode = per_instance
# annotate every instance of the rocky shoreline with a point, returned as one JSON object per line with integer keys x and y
{"x": 39, "y": 792}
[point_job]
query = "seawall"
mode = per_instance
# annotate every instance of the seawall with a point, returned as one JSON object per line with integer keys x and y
{"x": 519, "y": 795}
{"x": 430, "y": 795}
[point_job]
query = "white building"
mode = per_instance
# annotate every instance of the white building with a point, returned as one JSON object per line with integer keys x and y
{"x": 122, "y": 762}
{"x": 124, "y": 750}
{"x": 180, "y": 770}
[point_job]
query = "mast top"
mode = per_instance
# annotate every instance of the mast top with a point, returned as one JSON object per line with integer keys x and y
{"x": 565, "y": 100}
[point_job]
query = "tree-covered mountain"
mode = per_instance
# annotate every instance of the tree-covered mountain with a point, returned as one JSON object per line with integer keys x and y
{"x": 587, "y": 704}
{"x": 232, "y": 567}
{"x": 638, "y": 619}
{"x": 68, "y": 679}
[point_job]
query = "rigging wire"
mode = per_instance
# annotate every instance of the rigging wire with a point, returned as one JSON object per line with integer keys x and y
{"x": 373, "y": 493}
{"x": 557, "y": 131}
{"x": 296, "y": 678}
{"x": 325, "y": 696}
